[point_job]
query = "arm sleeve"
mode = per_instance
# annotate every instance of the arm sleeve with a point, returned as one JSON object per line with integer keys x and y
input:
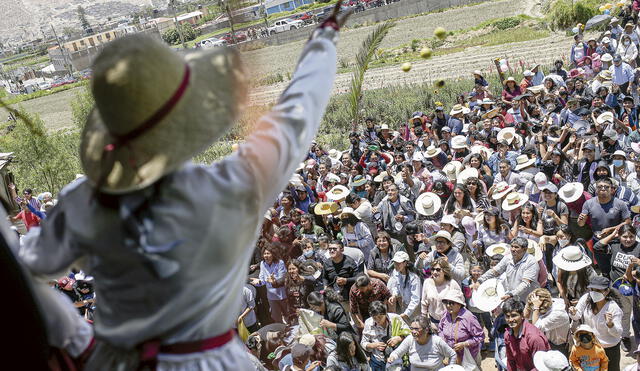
{"x": 447, "y": 351}
{"x": 367, "y": 334}
{"x": 554, "y": 320}
{"x": 529, "y": 278}
{"x": 403, "y": 348}
{"x": 364, "y": 236}
{"x": 37, "y": 213}
{"x": 416, "y": 287}
{"x": 616, "y": 330}
{"x": 458, "y": 270}
{"x": 262, "y": 276}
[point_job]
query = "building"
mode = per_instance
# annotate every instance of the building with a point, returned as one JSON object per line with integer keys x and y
{"x": 277, "y": 6}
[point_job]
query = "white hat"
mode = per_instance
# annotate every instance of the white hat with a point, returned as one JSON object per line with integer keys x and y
{"x": 488, "y": 296}
{"x": 348, "y": 211}
{"x": 400, "y": 256}
{"x": 549, "y": 187}
{"x": 455, "y": 296}
{"x": 449, "y": 219}
{"x": 432, "y": 151}
{"x": 498, "y": 248}
{"x": 524, "y": 161}
{"x": 337, "y": 193}
{"x": 571, "y": 192}
{"x": 487, "y": 101}
{"x": 452, "y": 169}
{"x": 334, "y": 154}
{"x": 480, "y": 148}
{"x": 458, "y": 108}
{"x": 428, "y": 204}
{"x": 619, "y": 153}
{"x": 459, "y": 142}
{"x": 571, "y": 259}
{"x": 540, "y": 179}
{"x": 527, "y": 73}
{"x": 308, "y": 340}
{"x": 604, "y": 117}
{"x": 635, "y": 146}
{"x": 417, "y": 156}
{"x": 469, "y": 225}
{"x": 378, "y": 178}
{"x": 501, "y": 189}
{"x": 470, "y": 172}
{"x": 534, "y": 249}
{"x": 442, "y": 234}
{"x": 612, "y": 21}
{"x": 384, "y": 127}
{"x": 333, "y": 178}
{"x": 551, "y": 360}
{"x": 296, "y": 179}
{"x": 508, "y": 134}
{"x": 606, "y": 57}
{"x": 514, "y": 200}
{"x": 478, "y": 72}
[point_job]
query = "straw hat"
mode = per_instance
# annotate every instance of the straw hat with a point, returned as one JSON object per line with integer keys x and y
{"x": 452, "y": 169}
{"x": 498, "y": 248}
{"x": 507, "y": 134}
{"x": 334, "y": 154}
{"x": 604, "y": 117}
{"x": 449, "y": 219}
{"x": 551, "y": 360}
{"x": 417, "y": 156}
{"x": 428, "y": 204}
{"x": 442, "y": 234}
{"x": 523, "y": 161}
{"x": 358, "y": 181}
{"x": 537, "y": 89}
{"x": 605, "y": 75}
{"x": 337, "y": 193}
{"x": 325, "y": 208}
{"x": 491, "y": 114}
{"x": 348, "y": 211}
{"x": 459, "y": 142}
{"x": 487, "y": 296}
{"x": 156, "y": 109}
{"x": 514, "y": 200}
{"x": 432, "y": 151}
{"x": 470, "y": 172}
{"x": 571, "y": 259}
{"x": 480, "y": 149}
{"x": 534, "y": 249}
{"x": 458, "y": 108}
{"x": 455, "y": 296}
{"x": 571, "y": 192}
{"x": 378, "y": 178}
{"x": 501, "y": 189}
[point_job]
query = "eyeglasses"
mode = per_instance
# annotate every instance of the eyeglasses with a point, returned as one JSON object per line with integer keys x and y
{"x": 332, "y": 249}
{"x": 436, "y": 269}
{"x": 448, "y": 302}
{"x": 416, "y": 328}
{"x": 603, "y": 187}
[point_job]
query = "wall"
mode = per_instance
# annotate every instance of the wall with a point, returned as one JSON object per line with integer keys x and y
{"x": 401, "y": 8}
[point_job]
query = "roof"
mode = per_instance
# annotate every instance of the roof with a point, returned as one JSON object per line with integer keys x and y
{"x": 182, "y": 17}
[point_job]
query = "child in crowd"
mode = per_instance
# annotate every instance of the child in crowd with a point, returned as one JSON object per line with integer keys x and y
{"x": 587, "y": 354}
{"x": 475, "y": 271}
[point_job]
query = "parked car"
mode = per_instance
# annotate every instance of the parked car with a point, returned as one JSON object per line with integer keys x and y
{"x": 212, "y": 42}
{"x": 240, "y": 37}
{"x": 306, "y": 18}
{"x": 284, "y": 25}
{"x": 44, "y": 85}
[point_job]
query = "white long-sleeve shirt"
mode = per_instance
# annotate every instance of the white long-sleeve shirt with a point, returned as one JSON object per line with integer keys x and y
{"x": 555, "y": 323}
{"x": 608, "y": 337}
{"x": 425, "y": 357}
{"x": 410, "y": 289}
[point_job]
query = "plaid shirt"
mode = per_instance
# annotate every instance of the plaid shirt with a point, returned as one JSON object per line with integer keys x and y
{"x": 359, "y": 301}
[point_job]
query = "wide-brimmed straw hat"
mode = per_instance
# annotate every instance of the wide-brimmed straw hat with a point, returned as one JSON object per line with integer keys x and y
{"x": 458, "y": 108}
{"x": 523, "y": 161}
{"x": 459, "y": 142}
{"x": 442, "y": 234}
{"x": 470, "y": 172}
{"x": 325, "y": 208}
{"x": 498, "y": 248}
{"x": 452, "y": 169}
{"x": 507, "y": 134}
{"x": 604, "y": 117}
{"x": 488, "y": 296}
{"x": 155, "y": 109}
{"x": 551, "y": 360}
{"x": 533, "y": 248}
{"x": 348, "y": 211}
{"x": 571, "y": 259}
{"x": 501, "y": 189}
{"x": 514, "y": 200}
{"x": 337, "y": 193}
{"x": 428, "y": 204}
{"x": 571, "y": 192}
{"x": 432, "y": 151}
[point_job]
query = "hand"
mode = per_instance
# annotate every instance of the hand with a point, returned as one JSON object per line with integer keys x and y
{"x": 506, "y": 297}
{"x": 572, "y": 311}
{"x": 557, "y": 177}
{"x": 475, "y": 285}
{"x": 271, "y": 279}
{"x": 254, "y": 281}
{"x": 385, "y": 277}
{"x": 12, "y": 186}
{"x": 422, "y": 255}
{"x": 391, "y": 358}
{"x": 521, "y": 228}
{"x": 550, "y": 213}
{"x": 458, "y": 347}
{"x": 609, "y": 319}
{"x": 341, "y": 281}
{"x": 405, "y": 317}
{"x": 535, "y": 300}
{"x": 381, "y": 346}
{"x": 327, "y": 324}
{"x": 313, "y": 365}
{"x": 399, "y": 217}
{"x": 582, "y": 216}
{"x": 394, "y": 341}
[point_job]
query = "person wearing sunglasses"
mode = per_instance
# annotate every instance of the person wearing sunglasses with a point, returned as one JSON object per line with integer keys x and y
{"x": 460, "y": 329}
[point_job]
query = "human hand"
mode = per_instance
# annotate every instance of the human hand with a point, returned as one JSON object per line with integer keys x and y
{"x": 609, "y": 319}
{"x": 313, "y": 365}
{"x": 572, "y": 311}
{"x": 254, "y": 281}
{"x": 341, "y": 281}
{"x": 582, "y": 216}
{"x": 392, "y": 358}
{"x": 505, "y": 297}
{"x": 327, "y": 324}
{"x": 12, "y": 186}
{"x": 381, "y": 346}
{"x": 394, "y": 341}
{"x": 550, "y": 213}
{"x": 422, "y": 255}
{"x": 535, "y": 300}
{"x": 458, "y": 347}
{"x": 399, "y": 217}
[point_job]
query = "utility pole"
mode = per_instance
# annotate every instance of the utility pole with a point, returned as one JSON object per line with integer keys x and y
{"x": 264, "y": 13}
{"x": 172, "y": 4}
{"x": 62, "y": 52}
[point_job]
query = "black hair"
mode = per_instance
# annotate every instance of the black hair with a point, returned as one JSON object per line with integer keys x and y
{"x": 534, "y": 218}
{"x": 450, "y": 207}
{"x": 377, "y": 308}
{"x": 362, "y": 281}
{"x": 351, "y": 198}
{"x": 513, "y": 305}
{"x": 317, "y": 298}
{"x": 342, "y": 350}
{"x": 336, "y": 242}
{"x": 28, "y": 190}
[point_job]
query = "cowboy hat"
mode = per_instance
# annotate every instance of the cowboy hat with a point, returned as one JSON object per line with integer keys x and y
{"x": 477, "y": 148}
{"x": 458, "y": 108}
{"x": 478, "y": 72}
{"x": 337, "y": 193}
{"x": 459, "y": 142}
{"x": 470, "y": 172}
{"x": 528, "y": 73}
{"x": 378, "y": 178}
{"x": 533, "y": 248}
{"x": 442, "y": 234}
{"x": 604, "y": 117}
{"x": 571, "y": 259}
{"x": 571, "y": 192}
{"x": 452, "y": 169}
{"x": 332, "y": 178}
{"x": 488, "y": 296}
{"x": 510, "y": 79}
{"x": 514, "y": 200}
{"x": 417, "y": 156}
{"x": 605, "y": 75}
{"x": 551, "y": 360}
{"x": 325, "y": 208}
{"x": 501, "y": 189}
{"x": 428, "y": 204}
{"x": 537, "y": 89}
{"x": 491, "y": 114}
{"x": 507, "y": 134}
{"x": 455, "y": 296}
{"x": 498, "y": 248}
{"x": 432, "y": 151}
{"x": 158, "y": 126}
{"x": 523, "y": 161}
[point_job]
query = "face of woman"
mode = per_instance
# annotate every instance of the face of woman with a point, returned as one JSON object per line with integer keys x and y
{"x": 474, "y": 162}
{"x": 285, "y": 202}
{"x": 417, "y": 330}
{"x": 305, "y": 223}
{"x": 490, "y": 218}
{"x": 352, "y": 349}
{"x": 628, "y": 239}
{"x": 292, "y": 270}
{"x": 447, "y": 227}
{"x": 452, "y": 307}
{"x": 436, "y": 273}
{"x": 476, "y": 272}
{"x": 556, "y": 159}
{"x": 382, "y": 243}
{"x": 548, "y": 84}
{"x": 526, "y": 215}
{"x": 400, "y": 267}
{"x": 267, "y": 256}
{"x": 458, "y": 194}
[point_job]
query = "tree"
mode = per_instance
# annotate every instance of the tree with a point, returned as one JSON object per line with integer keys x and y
{"x": 229, "y": 6}
{"x": 366, "y": 52}
{"x": 172, "y": 37}
{"x": 82, "y": 16}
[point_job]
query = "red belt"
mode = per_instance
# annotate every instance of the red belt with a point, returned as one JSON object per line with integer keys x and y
{"x": 149, "y": 350}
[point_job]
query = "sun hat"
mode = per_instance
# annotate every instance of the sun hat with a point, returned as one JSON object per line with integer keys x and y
{"x": 400, "y": 256}
{"x": 417, "y": 156}
{"x": 191, "y": 100}
{"x": 432, "y": 151}
{"x": 540, "y": 179}
{"x": 514, "y": 200}
{"x": 528, "y": 73}
{"x": 478, "y": 72}
{"x": 619, "y": 153}
{"x": 498, "y": 248}
{"x": 384, "y": 127}
{"x": 488, "y": 296}
{"x": 378, "y": 178}
{"x": 507, "y": 134}
{"x": 604, "y": 117}
{"x": 459, "y": 142}
{"x": 325, "y": 208}
{"x": 549, "y": 187}
{"x": 337, "y": 193}
{"x": 332, "y": 178}
{"x": 442, "y": 234}
{"x": 605, "y": 75}
{"x": 584, "y": 328}
{"x": 469, "y": 225}
{"x": 334, "y": 154}
{"x": 308, "y": 340}
{"x": 477, "y": 148}
{"x": 510, "y": 78}
{"x": 571, "y": 192}
{"x": 599, "y": 283}
{"x": 606, "y": 57}
{"x": 501, "y": 189}
{"x": 533, "y": 248}
{"x": 449, "y": 219}
{"x": 455, "y": 296}
{"x": 458, "y": 108}
{"x": 428, "y": 204}
{"x": 300, "y": 352}
{"x": 571, "y": 259}
{"x": 488, "y": 101}
{"x": 523, "y": 161}
{"x": 551, "y": 360}
{"x": 536, "y": 89}
{"x": 470, "y": 172}
{"x": 348, "y": 211}
{"x": 452, "y": 169}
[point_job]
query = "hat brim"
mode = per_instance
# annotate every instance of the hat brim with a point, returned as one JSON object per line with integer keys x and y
{"x": 498, "y": 248}
{"x": 485, "y": 302}
{"x": 522, "y": 200}
{"x": 576, "y": 195}
{"x": 428, "y": 212}
{"x": 210, "y": 104}
{"x": 427, "y": 155}
{"x": 499, "y": 195}
{"x": 529, "y": 162}
{"x": 359, "y": 183}
{"x": 321, "y": 208}
{"x": 570, "y": 266}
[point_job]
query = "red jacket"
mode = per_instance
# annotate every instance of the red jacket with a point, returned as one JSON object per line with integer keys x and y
{"x": 520, "y": 350}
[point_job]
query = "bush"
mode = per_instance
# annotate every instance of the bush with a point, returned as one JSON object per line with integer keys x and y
{"x": 172, "y": 37}
{"x": 506, "y": 23}
{"x": 564, "y": 14}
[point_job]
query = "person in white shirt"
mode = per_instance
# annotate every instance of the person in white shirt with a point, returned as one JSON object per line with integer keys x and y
{"x": 550, "y": 316}
{"x": 405, "y": 287}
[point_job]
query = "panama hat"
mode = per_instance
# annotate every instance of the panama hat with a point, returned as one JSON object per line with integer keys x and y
{"x": 606, "y": 57}
{"x": 488, "y": 296}
{"x": 337, "y": 193}
{"x": 332, "y": 178}
{"x": 507, "y": 134}
{"x": 571, "y": 259}
{"x": 470, "y": 172}
{"x": 533, "y": 248}
{"x": 571, "y": 192}
{"x": 498, "y": 248}
{"x": 417, "y": 156}
{"x": 449, "y": 219}
{"x": 458, "y": 108}
{"x": 442, "y": 234}
{"x": 501, "y": 189}
{"x": 432, "y": 151}
{"x": 523, "y": 161}
{"x": 459, "y": 142}
{"x": 514, "y": 200}
{"x": 455, "y": 296}
{"x": 428, "y": 204}
{"x": 378, "y": 178}
{"x": 155, "y": 109}
{"x": 348, "y": 211}
{"x": 604, "y": 117}
{"x": 551, "y": 360}
{"x": 325, "y": 208}
{"x": 452, "y": 169}
{"x": 477, "y": 148}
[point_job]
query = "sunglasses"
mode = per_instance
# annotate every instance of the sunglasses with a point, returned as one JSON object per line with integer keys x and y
{"x": 437, "y": 269}
{"x": 448, "y": 302}
{"x": 332, "y": 249}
